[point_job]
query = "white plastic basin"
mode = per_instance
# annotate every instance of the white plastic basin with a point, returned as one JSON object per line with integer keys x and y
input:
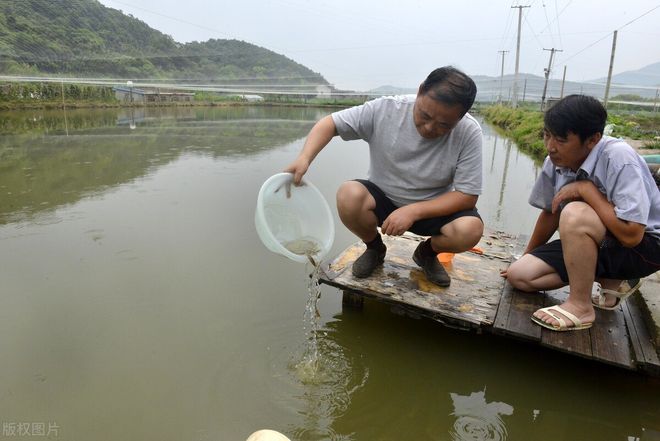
{"x": 283, "y": 223}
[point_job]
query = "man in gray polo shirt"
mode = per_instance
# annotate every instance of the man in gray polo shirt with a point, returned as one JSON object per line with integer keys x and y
{"x": 601, "y": 196}
{"x": 424, "y": 173}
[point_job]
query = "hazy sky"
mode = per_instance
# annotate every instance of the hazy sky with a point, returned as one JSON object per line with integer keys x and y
{"x": 363, "y": 44}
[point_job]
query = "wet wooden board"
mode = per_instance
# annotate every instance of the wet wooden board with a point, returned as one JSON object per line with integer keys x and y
{"x": 606, "y": 341}
{"x": 479, "y": 298}
{"x": 471, "y": 300}
{"x": 645, "y": 353}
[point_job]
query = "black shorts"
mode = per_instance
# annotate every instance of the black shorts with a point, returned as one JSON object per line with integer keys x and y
{"x": 423, "y": 227}
{"x": 614, "y": 260}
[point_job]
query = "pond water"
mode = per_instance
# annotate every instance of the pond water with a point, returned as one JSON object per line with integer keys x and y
{"x": 138, "y": 302}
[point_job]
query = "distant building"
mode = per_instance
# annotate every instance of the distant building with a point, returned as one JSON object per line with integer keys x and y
{"x": 252, "y": 98}
{"x": 323, "y": 91}
{"x": 135, "y": 95}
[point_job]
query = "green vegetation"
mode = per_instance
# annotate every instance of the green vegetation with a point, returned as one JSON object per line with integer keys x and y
{"x": 641, "y": 125}
{"x": 52, "y": 95}
{"x": 630, "y": 97}
{"x": 49, "y": 95}
{"x": 85, "y": 38}
{"x": 525, "y": 127}
{"x": 653, "y": 145}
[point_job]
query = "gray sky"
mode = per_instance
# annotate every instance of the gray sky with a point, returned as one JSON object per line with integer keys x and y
{"x": 363, "y": 44}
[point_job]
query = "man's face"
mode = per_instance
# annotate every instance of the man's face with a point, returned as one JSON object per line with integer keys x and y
{"x": 434, "y": 119}
{"x": 569, "y": 151}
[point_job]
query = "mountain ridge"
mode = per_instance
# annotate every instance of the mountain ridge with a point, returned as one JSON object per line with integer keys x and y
{"x": 84, "y": 37}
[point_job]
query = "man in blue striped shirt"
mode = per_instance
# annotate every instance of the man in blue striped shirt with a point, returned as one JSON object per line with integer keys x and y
{"x": 598, "y": 192}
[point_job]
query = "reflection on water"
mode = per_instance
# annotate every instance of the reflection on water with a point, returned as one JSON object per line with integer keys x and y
{"x": 477, "y": 420}
{"x": 42, "y": 168}
{"x": 508, "y": 179}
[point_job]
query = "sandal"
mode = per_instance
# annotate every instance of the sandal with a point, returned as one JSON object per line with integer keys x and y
{"x": 599, "y": 301}
{"x": 563, "y": 326}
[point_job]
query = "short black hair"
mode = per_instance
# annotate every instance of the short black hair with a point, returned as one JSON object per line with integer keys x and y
{"x": 450, "y": 86}
{"x": 582, "y": 115}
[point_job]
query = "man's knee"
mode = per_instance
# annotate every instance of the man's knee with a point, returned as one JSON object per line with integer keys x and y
{"x": 518, "y": 276}
{"x": 579, "y": 217}
{"x": 465, "y": 231}
{"x": 529, "y": 273}
{"x": 352, "y": 198}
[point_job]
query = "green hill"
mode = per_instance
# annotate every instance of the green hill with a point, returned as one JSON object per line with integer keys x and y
{"x": 85, "y": 38}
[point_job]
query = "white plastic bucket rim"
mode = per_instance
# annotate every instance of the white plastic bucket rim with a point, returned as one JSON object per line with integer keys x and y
{"x": 305, "y": 214}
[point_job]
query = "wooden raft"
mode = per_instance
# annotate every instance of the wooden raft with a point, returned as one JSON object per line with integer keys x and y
{"x": 479, "y": 299}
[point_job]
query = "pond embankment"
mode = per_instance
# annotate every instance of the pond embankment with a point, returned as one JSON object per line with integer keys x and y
{"x": 525, "y": 126}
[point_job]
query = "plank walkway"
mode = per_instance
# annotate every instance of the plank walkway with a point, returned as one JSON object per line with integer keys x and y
{"x": 479, "y": 299}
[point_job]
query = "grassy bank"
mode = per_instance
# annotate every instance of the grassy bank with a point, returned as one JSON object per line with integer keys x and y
{"x": 36, "y": 95}
{"x": 525, "y": 127}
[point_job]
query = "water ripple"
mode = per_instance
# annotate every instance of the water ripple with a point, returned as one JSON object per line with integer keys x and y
{"x": 477, "y": 420}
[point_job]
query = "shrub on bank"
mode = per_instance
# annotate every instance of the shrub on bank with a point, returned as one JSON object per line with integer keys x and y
{"x": 525, "y": 127}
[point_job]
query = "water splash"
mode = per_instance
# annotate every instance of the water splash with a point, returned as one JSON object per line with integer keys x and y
{"x": 327, "y": 386}
{"x": 307, "y": 369}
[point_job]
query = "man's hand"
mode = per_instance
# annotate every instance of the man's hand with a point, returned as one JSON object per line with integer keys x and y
{"x": 399, "y": 221}
{"x": 568, "y": 193}
{"x": 298, "y": 168}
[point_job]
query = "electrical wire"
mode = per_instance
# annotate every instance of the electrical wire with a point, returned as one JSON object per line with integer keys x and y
{"x": 563, "y": 61}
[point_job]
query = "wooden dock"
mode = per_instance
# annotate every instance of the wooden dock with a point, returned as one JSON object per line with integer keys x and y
{"x": 479, "y": 299}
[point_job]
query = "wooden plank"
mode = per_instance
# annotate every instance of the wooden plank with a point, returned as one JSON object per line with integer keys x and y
{"x": 352, "y": 299}
{"x": 520, "y": 324}
{"x": 646, "y": 357}
{"x": 573, "y": 342}
{"x": 516, "y": 307}
{"x": 503, "y": 309}
{"x": 472, "y": 297}
{"x": 610, "y": 340}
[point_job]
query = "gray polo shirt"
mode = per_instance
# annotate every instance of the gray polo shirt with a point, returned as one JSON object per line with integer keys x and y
{"x": 406, "y": 166}
{"x": 618, "y": 172}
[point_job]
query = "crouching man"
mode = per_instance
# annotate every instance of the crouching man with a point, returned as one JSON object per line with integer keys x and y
{"x": 598, "y": 192}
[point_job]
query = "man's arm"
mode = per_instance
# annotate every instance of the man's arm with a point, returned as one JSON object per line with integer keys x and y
{"x": 546, "y": 225}
{"x": 628, "y": 233}
{"x": 401, "y": 219}
{"x": 320, "y": 135}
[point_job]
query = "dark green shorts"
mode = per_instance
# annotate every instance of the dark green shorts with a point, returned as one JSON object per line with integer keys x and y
{"x": 424, "y": 227}
{"x": 614, "y": 260}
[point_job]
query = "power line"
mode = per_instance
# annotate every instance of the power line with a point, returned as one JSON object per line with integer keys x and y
{"x": 529, "y": 25}
{"x": 547, "y": 20}
{"x": 173, "y": 18}
{"x": 635, "y": 19}
{"x": 557, "y": 14}
{"x": 608, "y": 34}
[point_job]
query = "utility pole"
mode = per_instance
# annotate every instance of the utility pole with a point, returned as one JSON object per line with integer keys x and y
{"x": 609, "y": 73}
{"x": 524, "y": 90}
{"x": 547, "y": 74}
{"x": 514, "y": 102}
{"x": 655, "y": 103}
{"x": 499, "y": 100}
{"x": 563, "y": 80}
